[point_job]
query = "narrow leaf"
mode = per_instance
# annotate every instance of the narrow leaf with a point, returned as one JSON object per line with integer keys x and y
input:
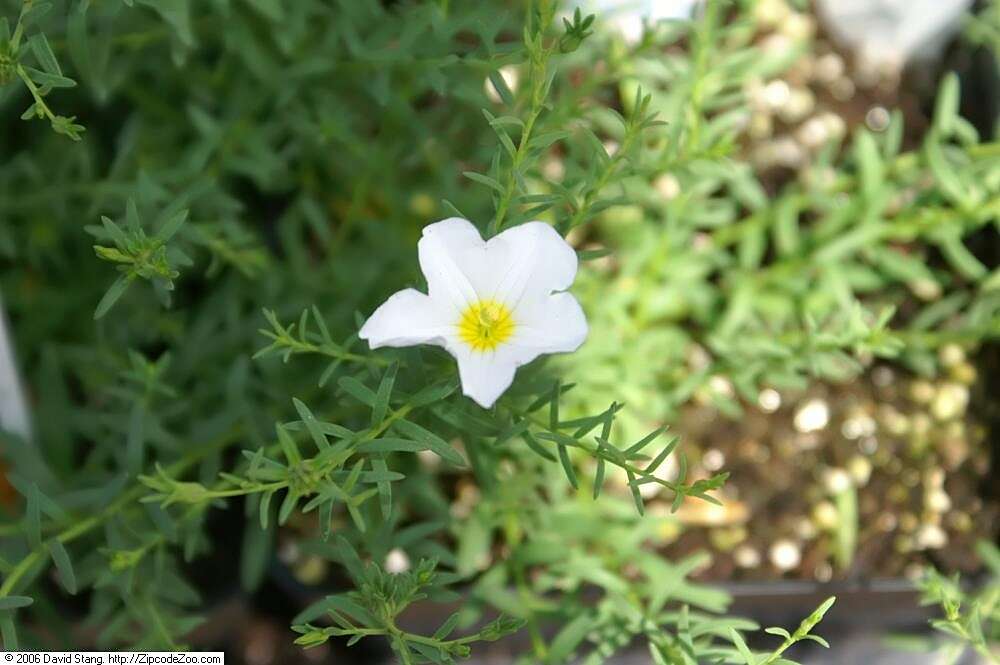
{"x": 567, "y": 465}
{"x": 381, "y": 405}
{"x": 312, "y": 425}
{"x": 112, "y": 295}
{"x": 63, "y": 564}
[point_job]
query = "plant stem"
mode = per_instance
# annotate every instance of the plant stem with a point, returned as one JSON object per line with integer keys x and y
{"x": 496, "y": 225}
{"x": 35, "y": 94}
{"x": 600, "y": 452}
{"x": 590, "y": 198}
{"x": 71, "y": 533}
{"x": 539, "y": 56}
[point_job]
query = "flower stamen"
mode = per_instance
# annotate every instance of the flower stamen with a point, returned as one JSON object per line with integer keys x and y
{"x": 485, "y": 325}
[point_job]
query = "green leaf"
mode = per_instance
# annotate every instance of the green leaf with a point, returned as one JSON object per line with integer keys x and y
{"x": 43, "y": 52}
{"x": 49, "y": 80}
{"x": 272, "y": 9}
{"x": 990, "y": 556}
{"x": 178, "y": 14}
{"x": 946, "y": 105}
{"x": 172, "y": 226}
{"x": 742, "y": 647}
{"x": 46, "y": 505}
{"x": 312, "y": 425}
{"x": 484, "y": 180}
{"x": 636, "y": 494}
{"x": 554, "y": 408}
{"x": 957, "y": 190}
{"x": 593, "y": 254}
{"x": 325, "y": 519}
{"x": 645, "y": 441}
{"x": 500, "y": 85}
{"x": 112, "y": 295}
{"x": 433, "y": 393}
{"x": 8, "y": 632}
{"x": 960, "y": 258}
{"x": 381, "y": 406}
{"x": 537, "y": 447}
{"x": 447, "y": 627}
{"x": 435, "y": 443}
{"x": 288, "y": 446}
{"x": 264, "y": 509}
{"x": 113, "y": 254}
{"x": 608, "y": 421}
{"x": 115, "y": 232}
{"x": 89, "y": 58}
{"x": 659, "y": 459}
{"x": 567, "y": 465}
{"x": 392, "y": 445}
{"x": 752, "y": 246}
{"x": 569, "y": 638}
{"x": 870, "y": 164}
{"x": 342, "y": 604}
{"x": 14, "y": 602}
{"x": 136, "y": 440}
{"x": 357, "y": 390}
{"x": 599, "y": 474}
{"x": 31, "y": 13}
{"x": 132, "y": 216}
{"x": 34, "y": 517}
{"x": 384, "y": 486}
{"x": 287, "y": 506}
{"x": 63, "y": 564}
{"x": 254, "y": 556}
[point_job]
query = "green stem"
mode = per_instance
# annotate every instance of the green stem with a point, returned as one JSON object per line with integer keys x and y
{"x": 590, "y": 198}
{"x": 703, "y": 41}
{"x": 71, "y": 533}
{"x": 496, "y": 225}
{"x": 222, "y": 490}
{"x": 15, "y": 40}
{"x": 599, "y": 452}
{"x": 36, "y": 94}
{"x": 298, "y": 346}
{"x": 539, "y": 88}
{"x": 537, "y": 641}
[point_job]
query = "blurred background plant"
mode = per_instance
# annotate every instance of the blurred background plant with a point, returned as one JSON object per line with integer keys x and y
{"x": 801, "y": 281}
{"x": 795, "y": 276}
{"x": 969, "y": 617}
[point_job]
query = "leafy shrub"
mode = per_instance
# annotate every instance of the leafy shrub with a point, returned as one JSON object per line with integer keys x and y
{"x": 234, "y": 158}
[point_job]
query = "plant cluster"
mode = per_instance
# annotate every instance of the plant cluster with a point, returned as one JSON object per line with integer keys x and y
{"x": 737, "y": 278}
{"x": 282, "y": 157}
{"x": 276, "y": 199}
{"x": 970, "y": 613}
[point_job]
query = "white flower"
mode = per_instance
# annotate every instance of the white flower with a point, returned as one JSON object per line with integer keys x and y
{"x": 494, "y": 305}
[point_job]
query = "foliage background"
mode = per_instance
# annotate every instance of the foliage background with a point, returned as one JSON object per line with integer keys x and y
{"x": 309, "y": 143}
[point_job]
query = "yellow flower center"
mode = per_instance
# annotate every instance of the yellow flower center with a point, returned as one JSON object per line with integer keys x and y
{"x": 485, "y": 325}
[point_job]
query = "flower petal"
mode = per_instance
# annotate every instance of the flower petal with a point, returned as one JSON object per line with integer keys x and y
{"x": 408, "y": 317}
{"x": 453, "y": 259}
{"x": 485, "y": 376}
{"x": 554, "y": 324}
{"x": 530, "y": 260}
